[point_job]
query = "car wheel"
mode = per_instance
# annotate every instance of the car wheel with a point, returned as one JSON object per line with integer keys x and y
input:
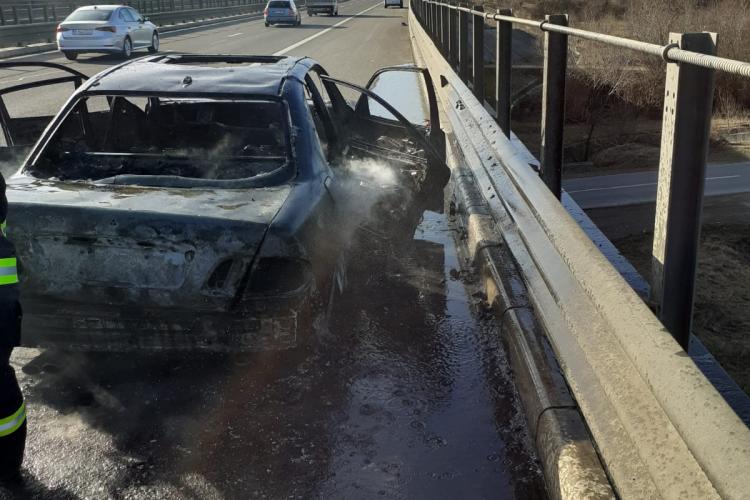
{"x": 127, "y": 48}
{"x": 336, "y": 13}
{"x": 401, "y": 5}
{"x": 267, "y": 25}
{"x": 154, "y": 43}
{"x": 70, "y": 55}
{"x": 385, "y": 5}
{"x": 299, "y": 21}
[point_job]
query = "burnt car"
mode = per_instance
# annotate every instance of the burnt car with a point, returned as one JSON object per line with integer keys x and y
{"x": 204, "y": 201}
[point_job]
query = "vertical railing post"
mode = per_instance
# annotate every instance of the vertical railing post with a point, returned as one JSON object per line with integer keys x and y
{"x": 478, "y": 56}
{"x": 449, "y": 28}
{"x": 463, "y": 45}
{"x": 503, "y": 69}
{"x": 686, "y": 127}
{"x": 444, "y": 29}
{"x": 433, "y": 27}
{"x": 553, "y": 104}
{"x": 453, "y": 35}
{"x": 431, "y": 23}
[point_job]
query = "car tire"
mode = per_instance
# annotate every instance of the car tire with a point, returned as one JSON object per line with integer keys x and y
{"x": 299, "y": 21}
{"x": 401, "y": 5}
{"x": 385, "y": 5}
{"x": 154, "y": 48}
{"x": 127, "y": 48}
{"x": 336, "y": 13}
{"x": 72, "y": 56}
{"x": 267, "y": 25}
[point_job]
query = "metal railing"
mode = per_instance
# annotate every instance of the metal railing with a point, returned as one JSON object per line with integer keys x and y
{"x": 688, "y": 104}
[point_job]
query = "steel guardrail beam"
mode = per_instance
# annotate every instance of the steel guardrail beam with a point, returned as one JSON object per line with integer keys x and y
{"x": 662, "y": 429}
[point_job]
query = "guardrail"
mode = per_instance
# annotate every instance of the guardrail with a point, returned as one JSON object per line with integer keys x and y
{"x": 661, "y": 429}
{"x": 17, "y": 30}
{"x": 53, "y": 11}
{"x": 691, "y": 62}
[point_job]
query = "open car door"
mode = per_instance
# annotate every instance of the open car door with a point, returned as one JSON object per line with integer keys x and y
{"x": 395, "y": 120}
{"x": 25, "y": 107}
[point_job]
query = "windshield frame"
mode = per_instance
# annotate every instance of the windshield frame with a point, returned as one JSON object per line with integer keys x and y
{"x": 285, "y": 173}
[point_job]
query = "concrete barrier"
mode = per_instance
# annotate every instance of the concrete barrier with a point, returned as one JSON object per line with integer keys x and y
{"x": 660, "y": 428}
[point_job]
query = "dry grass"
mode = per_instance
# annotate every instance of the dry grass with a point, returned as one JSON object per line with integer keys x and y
{"x": 637, "y": 78}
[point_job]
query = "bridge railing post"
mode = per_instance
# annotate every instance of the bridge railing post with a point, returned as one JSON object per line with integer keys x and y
{"x": 463, "y": 45}
{"x": 503, "y": 68}
{"x": 688, "y": 104}
{"x": 478, "y": 56}
{"x": 445, "y": 33}
{"x": 453, "y": 37}
{"x": 553, "y": 104}
{"x": 433, "y": 11}
{"x": 436, "y": 24}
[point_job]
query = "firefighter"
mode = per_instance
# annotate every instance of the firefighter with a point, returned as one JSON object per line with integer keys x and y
{"x": 12, "y": 407}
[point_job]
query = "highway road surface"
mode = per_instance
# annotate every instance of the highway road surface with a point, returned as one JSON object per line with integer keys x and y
{"x": 640, "y": 187}
{"x": 406, "y": 395}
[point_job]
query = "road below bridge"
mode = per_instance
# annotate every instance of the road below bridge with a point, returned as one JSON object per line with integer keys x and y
{"x": 406, "y": 395}
{"x": 634, "y": 188}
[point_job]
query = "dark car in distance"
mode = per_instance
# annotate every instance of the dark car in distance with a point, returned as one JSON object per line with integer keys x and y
{"x": 202, "y": 202}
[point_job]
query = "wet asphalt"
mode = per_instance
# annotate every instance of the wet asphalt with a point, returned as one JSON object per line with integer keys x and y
{"x": 405, "y": 394}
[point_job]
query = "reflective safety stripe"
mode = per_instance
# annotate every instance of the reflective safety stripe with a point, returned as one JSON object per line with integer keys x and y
{"x": 11, "y": 424}
{"x": 8, "y": 271}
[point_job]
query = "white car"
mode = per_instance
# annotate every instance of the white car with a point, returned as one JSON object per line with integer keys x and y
{"x": 113, "y": 29}
{"x": 400, "y": 3}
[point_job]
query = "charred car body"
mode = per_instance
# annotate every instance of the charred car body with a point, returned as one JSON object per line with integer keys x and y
{"x": 184, "y": 201}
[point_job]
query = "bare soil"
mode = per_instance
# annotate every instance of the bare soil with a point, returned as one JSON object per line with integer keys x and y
{"x": 722, "y": 303}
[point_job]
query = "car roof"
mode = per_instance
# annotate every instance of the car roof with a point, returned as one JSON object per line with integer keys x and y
{"x": 218, "y": 74}
{"x": 103, "y": 7}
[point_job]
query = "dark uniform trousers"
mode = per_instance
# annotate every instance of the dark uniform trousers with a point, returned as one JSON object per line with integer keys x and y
{"x": 12, "y": 407}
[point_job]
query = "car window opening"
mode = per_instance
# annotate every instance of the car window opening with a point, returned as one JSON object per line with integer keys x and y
{"x": 90, "y": 15}
{"x": 209, "y": 139}
{"x": 279, "y": 4}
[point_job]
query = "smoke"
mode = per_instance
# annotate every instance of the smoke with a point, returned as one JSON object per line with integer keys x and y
{"x": 374, "y": 197}
{"x": 9, "y": 165}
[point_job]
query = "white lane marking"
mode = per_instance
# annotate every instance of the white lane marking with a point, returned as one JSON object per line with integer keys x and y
{"x": 628, "y": 186}
{"x": 233, "y": 35}
{"x": 321, "y": 33}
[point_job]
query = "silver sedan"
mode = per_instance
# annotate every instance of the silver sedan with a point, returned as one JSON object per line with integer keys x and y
{"x": 112, "y": 29}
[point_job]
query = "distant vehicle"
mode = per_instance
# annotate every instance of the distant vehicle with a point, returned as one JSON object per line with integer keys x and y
{"x": 208, "y": 202}
{"x": 282, "y": 12}
{"x": 315, "y": 7}
{"x": 400, "y": 3}
{"x": 110, "y": 29}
